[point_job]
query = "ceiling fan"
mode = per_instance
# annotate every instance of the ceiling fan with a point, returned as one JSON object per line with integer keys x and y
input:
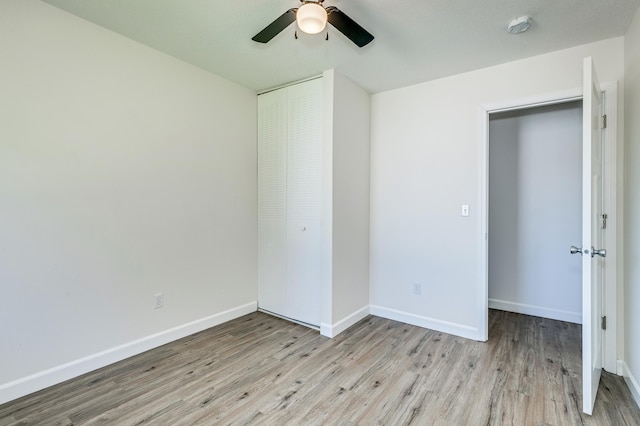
{"x": 312, "y": 18}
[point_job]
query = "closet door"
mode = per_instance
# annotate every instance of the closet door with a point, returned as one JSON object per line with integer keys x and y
{"x": 304, "y": 196}
{"x": 289, "y": 201}
{"x": 272, "y": 201}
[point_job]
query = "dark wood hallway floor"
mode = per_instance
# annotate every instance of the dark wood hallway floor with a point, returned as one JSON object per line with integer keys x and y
{"x": 263, "y": 370}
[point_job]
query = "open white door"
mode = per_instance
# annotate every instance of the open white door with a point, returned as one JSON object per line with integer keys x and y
{"x": 592, "y": 252}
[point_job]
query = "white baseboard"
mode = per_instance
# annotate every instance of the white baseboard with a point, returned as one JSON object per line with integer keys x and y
{"x": 305, "y": 324}
{"x": 426, "y": 322}
{"x": 332, "y": 331}
{"x": 41, "y": 380}
{"x": 536, "y": 311}
{"x": 632, "y": 382}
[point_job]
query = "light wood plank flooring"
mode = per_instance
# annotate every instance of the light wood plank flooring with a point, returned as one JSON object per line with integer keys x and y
{"x": 263, "y": 370}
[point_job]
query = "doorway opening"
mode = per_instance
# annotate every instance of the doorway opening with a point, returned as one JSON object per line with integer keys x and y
{"x": 535, "y": 210}
{"x": 609, "y": 304}
{"x": 613, "y": 169}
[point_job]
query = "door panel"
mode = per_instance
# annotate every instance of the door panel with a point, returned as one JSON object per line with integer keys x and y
{"x": 272, "y": 200}
{"x": 304, "y": 238}
{"x": 592, "y": 266}
{"x": 304, "y": 202}
{"x": 272, "y": 264}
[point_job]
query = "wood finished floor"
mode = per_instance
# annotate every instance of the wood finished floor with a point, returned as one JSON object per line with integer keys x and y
{"x": 263, "y": 370}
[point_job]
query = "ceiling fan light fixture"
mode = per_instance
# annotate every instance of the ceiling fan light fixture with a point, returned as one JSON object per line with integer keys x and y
{"x": 311, "y": 18}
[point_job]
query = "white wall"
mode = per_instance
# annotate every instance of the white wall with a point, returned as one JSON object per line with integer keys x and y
{"x": 123, "y": 173}
{"x": 535, "y": 207}
{"x": 351, "y": 134}
{"x": 345, "y": 203}
{"x": 425, "y": 157}
{"x": 632, "y": 207}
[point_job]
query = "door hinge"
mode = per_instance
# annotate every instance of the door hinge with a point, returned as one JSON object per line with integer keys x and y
{"x": 604, "y": 322}
{"x": 604, "y": 221}
{"x": 604, "y": 121}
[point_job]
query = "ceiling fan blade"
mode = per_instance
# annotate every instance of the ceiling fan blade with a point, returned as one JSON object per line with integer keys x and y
{"x": 348, "y": 27}
{"x": 274, "y": 28}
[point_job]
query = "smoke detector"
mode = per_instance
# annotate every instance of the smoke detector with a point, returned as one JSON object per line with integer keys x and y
{"x": 519, "y": 25}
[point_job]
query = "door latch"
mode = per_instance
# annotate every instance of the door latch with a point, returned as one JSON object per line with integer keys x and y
{"x": 604, "y": 221}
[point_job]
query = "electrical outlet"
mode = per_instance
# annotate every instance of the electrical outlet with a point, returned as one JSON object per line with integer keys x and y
{"x": 417, "y": 288}
{"x": 158, "y": 301}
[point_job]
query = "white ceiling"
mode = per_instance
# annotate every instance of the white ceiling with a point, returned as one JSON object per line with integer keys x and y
{"x": 415, "y": 40}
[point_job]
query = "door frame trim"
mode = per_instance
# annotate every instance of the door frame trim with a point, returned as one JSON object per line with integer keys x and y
{"x": 613, "y": 180}
{"x": 612, "y": 173}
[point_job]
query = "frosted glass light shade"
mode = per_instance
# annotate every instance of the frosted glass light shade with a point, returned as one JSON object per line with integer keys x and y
{"x": 311, "y": 18}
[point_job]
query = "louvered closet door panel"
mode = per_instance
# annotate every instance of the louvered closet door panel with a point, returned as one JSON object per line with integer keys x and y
{"x": 304, "y": 236}
{"x": 272, "y": 196}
